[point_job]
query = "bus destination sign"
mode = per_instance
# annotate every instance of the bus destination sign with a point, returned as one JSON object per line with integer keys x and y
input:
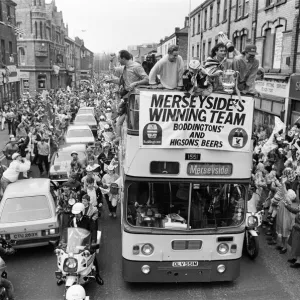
{"x": 209, "y": 169}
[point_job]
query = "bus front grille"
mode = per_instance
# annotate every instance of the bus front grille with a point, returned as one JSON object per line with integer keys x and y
{"x": 186, "y": 245}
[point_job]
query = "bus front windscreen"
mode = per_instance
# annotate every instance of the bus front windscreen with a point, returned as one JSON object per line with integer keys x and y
{"x": 185, "y": 206}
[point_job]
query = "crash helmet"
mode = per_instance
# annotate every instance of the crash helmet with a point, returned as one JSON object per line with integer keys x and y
{"x": 102, "y": 118}
{"x": 77, "y": 208}
{"x": 74, "y": 152}
{"x": 194, "y": 64}
{"x": 75, "y": 292}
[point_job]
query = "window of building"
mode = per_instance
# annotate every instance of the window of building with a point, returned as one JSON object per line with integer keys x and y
{"x": 211, "y": 16}
{"x": 34, "y": 2}
{"x": 208, "y": 48}
{"x": 193, "y": 51}
{"x": 205, "y": 19}
{"x": 216, "y": 40}
{"x": 36, "y": 30}
{"x": 198, "y": 51}
{"x": 1, "y": 12}
{"x": 40, "y": 3}
{"x": 218, "y": 12}
{"x": 203, "y": 52}
{"x": 278, "y": 47}
{"x": 193, "y": 26}
{"x": 225, "y": 11}
{"x": 10, "y": 48}
{"x": 243, "y": 42}
{"x": 42, "y": 81}
{"x": 239, "y": 8}
{"x": 246, "y": 8}
{"x": 269, "y": 2}
{"x": 3, "y": 58}
{"x": 198, "y": 31}
{"x": 41, "y": 30}
{"x": 45, "y": 32}
{"x": 21, "y": 56}
{"x": 8, "y": 12}
{"x": 268, "y": 49}
{"x": 237, "y": 43}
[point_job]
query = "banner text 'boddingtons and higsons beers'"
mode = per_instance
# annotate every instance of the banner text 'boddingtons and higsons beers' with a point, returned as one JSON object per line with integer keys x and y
{"x": 175, "y": 120}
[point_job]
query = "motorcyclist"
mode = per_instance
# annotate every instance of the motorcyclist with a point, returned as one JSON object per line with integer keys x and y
{"x": 76, "y": 292}
{"x": 82, "y": 221}
{"x": 4, "y": 283}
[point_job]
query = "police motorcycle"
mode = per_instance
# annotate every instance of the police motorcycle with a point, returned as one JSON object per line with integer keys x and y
{"x": 254, "y": 220}
{"x": 9, "y": 250}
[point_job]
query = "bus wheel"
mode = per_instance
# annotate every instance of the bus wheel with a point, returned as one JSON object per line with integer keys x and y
{"x": 252, "y": 245}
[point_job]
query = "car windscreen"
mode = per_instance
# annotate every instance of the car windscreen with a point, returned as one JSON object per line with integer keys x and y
{"x": 23, "y": 209}
{"x": 66, "y": 156}
{"x": 74, "y": 133}
{"x": 85, "y": 119}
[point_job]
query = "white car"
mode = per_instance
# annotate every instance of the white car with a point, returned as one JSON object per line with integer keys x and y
{"x": 79, "y": 134}
{"x": 27, "y": 213}
{"x": 86, "y": 110}
{"x": 86, "y": 119}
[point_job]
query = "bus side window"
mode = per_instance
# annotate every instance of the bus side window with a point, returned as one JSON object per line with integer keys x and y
{"x": 133, "y": 113}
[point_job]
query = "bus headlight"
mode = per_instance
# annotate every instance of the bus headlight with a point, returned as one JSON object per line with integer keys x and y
{"x": 223, "y": 248}
{"x": 252, "y": 221}
{"x": 145, "y": 269}
{"x": 147, "y": 249}
{"x": 221, "y": 268}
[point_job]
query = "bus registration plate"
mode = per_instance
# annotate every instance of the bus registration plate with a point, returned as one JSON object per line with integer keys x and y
{"x": 185, "y": 264}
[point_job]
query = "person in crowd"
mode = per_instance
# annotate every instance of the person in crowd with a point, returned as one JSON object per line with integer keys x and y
{"x": 17, "y": 166}
{"x": 90, "y": 174}
{"x": 10, "y": 120}
{"x": 105, "y": 157}
{"x": 247, "y": 66}
{"x": 89, "y": 210}
{"x": 73, "y": 184}
{"x": 110, "y": 195}
{"x": 169, "y": 69}
{"x": 77, "y": 169}
{"x": 10, "y": 148}
{"x": 94, "y": 192}
{"x": 43, "y": 156}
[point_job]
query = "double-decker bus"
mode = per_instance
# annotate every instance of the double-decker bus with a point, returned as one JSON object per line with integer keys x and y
{"x": 186, "y": 167}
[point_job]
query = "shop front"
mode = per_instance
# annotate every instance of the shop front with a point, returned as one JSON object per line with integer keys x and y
{"x": 294, "y": 97}
{"x": 24, "y": 82}
{"x": 274, "y": 95}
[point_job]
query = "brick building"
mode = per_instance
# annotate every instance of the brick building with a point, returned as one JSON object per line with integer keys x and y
{"x": 86, "y": 61}
{"x": 180, "y": 38}
{"x": 41, "y": 48}
{"x": 273, "y": 25}
{"x": 9, "y": 73}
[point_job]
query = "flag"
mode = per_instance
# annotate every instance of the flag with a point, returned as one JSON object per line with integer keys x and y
{"x": 18, "y": 30}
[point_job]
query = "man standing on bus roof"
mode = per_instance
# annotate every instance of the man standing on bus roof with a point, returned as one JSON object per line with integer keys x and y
{"x": 130, "y": 74}
{"x": 170, "y": 69}
{"x": 247, "y": 65}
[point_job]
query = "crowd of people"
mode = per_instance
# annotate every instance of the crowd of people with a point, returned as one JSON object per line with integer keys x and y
{"x": 276, "y": 174}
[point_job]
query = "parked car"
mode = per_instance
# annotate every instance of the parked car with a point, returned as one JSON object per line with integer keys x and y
{"x": 61, "y": 161}
{"x": 86, "y": 110}
{"x": 27, "y": 213}
{"x": 79, "y": 134}
{"x": 86, "y": 119}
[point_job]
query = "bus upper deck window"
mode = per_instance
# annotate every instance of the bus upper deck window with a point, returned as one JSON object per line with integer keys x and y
{"x": 133, "y": 114}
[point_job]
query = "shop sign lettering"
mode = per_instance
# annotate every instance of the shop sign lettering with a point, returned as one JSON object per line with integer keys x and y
{"x": 275, "y": 88}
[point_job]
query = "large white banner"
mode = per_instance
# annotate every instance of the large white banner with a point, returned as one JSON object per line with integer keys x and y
{"x": 174, "y": 120}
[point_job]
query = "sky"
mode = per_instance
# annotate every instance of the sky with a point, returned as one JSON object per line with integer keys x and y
{"x": 112, "y": 25}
